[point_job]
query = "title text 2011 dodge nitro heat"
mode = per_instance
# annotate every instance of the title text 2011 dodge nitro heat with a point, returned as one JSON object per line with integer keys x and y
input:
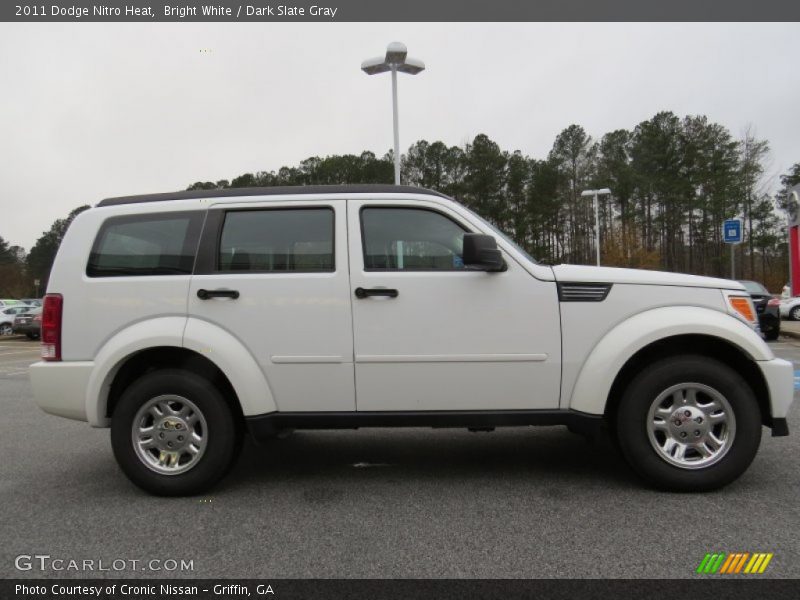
{"x": 183, "y": 320}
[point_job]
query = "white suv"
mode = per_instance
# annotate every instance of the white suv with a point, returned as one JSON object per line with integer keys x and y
{"x": 183, "y": 320}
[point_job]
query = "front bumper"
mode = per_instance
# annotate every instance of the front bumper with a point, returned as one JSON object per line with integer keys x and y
{"x": 779, "y": 376}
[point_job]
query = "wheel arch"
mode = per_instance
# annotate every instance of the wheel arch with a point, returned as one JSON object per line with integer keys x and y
{"x": 704, "y": 345}
{"x": 661, "y": 332}
{"x": 176, "y": 341}
{"x": 164, "y": 357}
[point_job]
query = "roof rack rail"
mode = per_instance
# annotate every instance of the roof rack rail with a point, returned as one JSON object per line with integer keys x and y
{"x": 271, "y": 191}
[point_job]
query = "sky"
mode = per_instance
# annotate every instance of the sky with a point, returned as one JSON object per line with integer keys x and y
{"x": 92, "y": 110}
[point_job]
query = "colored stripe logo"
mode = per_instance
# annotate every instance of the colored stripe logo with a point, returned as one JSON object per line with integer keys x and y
{"x": 734, "y": 563}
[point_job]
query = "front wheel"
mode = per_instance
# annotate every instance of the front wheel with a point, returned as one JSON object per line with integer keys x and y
{"x": 173, "y": 433}
{"x": 774, "y": 333}
{"x": 689, "y": 424}
{"x": 6, "y": 329}
{"x": 794, "y": 314}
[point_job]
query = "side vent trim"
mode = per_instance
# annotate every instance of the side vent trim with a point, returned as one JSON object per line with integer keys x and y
{"x": 583, "y": 292}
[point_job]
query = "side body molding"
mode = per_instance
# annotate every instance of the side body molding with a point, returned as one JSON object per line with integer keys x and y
{"x": 233, "y": 359}
{"x": 597, "y": 375}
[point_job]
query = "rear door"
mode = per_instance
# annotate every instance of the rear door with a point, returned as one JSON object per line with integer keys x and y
{"x": 287, "y": 264}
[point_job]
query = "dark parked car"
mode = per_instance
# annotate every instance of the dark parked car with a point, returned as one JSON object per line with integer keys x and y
{"x": 29, "y": 323}
{"x": 767, "y": 307}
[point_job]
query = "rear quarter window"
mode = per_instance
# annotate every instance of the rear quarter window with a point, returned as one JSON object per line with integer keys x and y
{"x": 152, "y": 244}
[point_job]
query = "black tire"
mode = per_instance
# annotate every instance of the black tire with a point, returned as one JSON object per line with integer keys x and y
{"x": 773, "y": 334}
{"x": 794, "y": 314}
{"x": 224, "y": 433}
{"x": 32, "y": 336}
{"x": 632, "y": 413}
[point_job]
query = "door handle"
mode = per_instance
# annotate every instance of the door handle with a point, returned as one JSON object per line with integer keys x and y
{"x": 206, "y": 294}
{"x": 362, "y": 293}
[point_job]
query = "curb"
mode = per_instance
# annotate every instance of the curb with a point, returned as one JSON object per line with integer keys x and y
{"x": 792, "y": 334}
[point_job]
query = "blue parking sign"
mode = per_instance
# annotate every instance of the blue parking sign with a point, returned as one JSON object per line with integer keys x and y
{"x": 732, "y": 231}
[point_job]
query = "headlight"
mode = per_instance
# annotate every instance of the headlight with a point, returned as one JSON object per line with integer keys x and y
{"x": 741, "y": 305}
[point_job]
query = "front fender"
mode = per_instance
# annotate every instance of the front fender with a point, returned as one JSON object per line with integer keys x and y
{"x": 598, "y": 372}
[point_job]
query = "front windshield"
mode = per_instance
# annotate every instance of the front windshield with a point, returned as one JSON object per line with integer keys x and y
{"x": 502, "y": 235}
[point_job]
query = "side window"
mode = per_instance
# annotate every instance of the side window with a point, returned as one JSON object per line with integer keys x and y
{"x": 410, "y": 239}
{"x": 153, "y": 244}
{"x": 277, "y": 240}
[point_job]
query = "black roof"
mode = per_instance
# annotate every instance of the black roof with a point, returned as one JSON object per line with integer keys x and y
{"x": 378, "y": 188}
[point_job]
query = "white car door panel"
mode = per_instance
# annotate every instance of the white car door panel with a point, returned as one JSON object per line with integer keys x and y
{"x": 293, "y": 307}
{"x": 451, "y": 339}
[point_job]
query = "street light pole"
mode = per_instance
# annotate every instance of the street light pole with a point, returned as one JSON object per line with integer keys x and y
{"x": 396, "y": 122}
{"x": 594, "y": 194}
{"x": 396, "y": 60}
{"x": 597, "y": 227}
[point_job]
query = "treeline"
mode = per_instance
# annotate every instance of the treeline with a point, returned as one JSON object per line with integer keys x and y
{"x": 20, "y": 270}
{"x": 673, "y": 180}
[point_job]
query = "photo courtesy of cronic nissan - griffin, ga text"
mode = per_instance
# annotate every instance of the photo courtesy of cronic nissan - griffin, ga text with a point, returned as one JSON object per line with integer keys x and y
{"x": 184, "y": 321}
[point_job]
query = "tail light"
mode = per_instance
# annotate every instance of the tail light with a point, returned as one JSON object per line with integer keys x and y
{"x": 774, "y": 302}
{"x": 52, "y": 312}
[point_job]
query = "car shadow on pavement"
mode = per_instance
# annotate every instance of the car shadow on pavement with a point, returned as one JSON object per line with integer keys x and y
{"x": 550, "y": 453}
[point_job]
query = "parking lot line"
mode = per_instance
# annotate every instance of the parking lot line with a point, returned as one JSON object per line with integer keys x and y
{"x": 15, "y": 353}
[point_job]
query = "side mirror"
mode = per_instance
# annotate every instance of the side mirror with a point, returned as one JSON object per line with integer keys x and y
{"x": 482, "y": 254}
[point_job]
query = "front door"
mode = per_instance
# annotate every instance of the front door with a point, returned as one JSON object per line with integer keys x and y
{"x": 432, "y": 335}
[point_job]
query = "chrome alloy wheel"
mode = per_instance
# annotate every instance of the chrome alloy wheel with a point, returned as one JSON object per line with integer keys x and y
{"x": 691, "y": 425}
{"x": 169, "y": 434}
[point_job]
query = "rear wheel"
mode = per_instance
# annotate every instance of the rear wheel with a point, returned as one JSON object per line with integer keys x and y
{"x": 689, "y": 423}
{"x": 174, "y": 434}
{"x": 794, "y": 314}
{"x": 5, "y": 329}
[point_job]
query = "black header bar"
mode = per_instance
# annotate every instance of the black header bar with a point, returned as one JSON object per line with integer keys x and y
{"x": 746, "y": 588}
{"x": 151, "y": 11}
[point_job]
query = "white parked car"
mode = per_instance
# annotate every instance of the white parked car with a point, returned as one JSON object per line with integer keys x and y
{"x": 7, "y": 316}
{"x": 790, "y": 308}
{"x": 183, "y": 320}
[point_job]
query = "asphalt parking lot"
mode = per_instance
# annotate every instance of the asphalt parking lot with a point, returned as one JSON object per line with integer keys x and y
{"x": 519, "y": 502}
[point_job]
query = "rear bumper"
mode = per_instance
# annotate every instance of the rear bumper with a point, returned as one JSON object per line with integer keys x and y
{"x": 59, "y": 388}
{"x": 779, "y": 375}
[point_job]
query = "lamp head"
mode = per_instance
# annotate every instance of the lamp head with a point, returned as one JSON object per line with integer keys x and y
{"x": 396, "y": 53}
{"x": 373, "y": 66}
